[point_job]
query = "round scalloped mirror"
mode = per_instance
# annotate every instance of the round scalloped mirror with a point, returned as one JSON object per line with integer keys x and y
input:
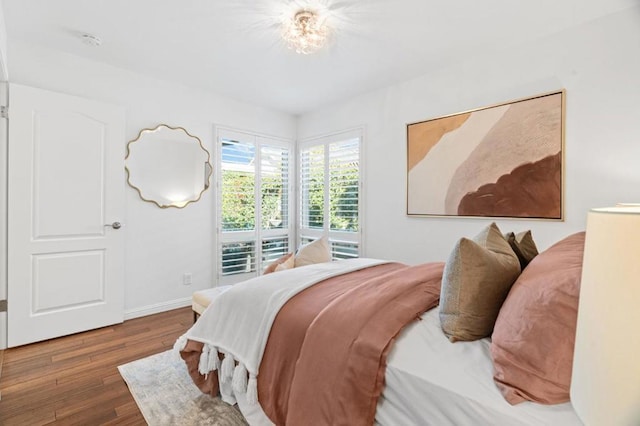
{"x": 168, "y": 166}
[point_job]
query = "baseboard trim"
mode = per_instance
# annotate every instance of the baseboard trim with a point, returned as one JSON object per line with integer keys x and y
{"x": 156, "y": 308}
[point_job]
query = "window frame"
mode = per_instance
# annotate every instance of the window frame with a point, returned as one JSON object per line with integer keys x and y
{"x": 256, "y": 235}
{"x": 334, "y": 236}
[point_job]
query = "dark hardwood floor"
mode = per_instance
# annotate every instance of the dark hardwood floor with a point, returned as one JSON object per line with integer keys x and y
{"x": 74, "y": 380}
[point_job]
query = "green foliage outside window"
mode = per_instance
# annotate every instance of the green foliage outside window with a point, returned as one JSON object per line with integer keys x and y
{"x": 238, "y": 207}
{"x": 343, "y": 195}
{"x": 238, "y": 212}
{"x": 238, "y": 202}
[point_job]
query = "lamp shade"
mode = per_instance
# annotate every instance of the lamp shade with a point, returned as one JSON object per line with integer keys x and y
{"x": 605, "y": 385}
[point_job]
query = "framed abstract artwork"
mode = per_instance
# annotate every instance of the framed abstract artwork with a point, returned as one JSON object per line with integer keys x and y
{"x": 505, "y": 160}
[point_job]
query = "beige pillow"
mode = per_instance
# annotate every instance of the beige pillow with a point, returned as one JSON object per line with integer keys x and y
{"x": 475, "y": 282}
{"x": 272, "y": 267}
{"x": 317, "y": 251}
{"x": 287, "y": 264}
{"x": 523, "y": 246}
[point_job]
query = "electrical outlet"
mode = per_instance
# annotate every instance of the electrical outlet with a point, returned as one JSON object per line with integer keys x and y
{"x": 186, "y": 278}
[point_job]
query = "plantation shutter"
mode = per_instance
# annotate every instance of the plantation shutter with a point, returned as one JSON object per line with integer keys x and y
{"x": 330, "y": 192}
{"x": 344, "y": 184}
{"x": 238, "y": 217}
{"x": 275, "y": 202}
{"x": 255, "y": 203}
{"x": 312, "y": 184}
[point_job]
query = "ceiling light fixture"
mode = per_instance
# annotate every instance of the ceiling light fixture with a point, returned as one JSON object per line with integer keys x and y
{"x": 305, "y": 32}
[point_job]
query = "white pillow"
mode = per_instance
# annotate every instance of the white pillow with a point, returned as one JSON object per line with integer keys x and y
{"x": 317, "y": 251}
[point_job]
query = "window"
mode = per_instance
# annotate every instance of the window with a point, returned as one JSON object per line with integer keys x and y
{"x": 330, "y": 192}
{"x": 255, "y": 203}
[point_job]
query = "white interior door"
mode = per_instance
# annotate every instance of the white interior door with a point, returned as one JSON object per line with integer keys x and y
{"x": 66, "y": 184}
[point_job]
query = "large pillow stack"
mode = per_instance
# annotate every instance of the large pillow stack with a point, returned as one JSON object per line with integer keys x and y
{"x": 317, "y": 251}
{"x": 476, "y": 280}
{"x": 532, "y": 344}
{"x": 530, "y": 315}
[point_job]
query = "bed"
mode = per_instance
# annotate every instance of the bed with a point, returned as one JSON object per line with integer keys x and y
{"x": 455, "y": 388}
{"x": 412, "y": 375}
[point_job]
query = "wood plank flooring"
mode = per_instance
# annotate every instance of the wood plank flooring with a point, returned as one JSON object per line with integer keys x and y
{"x": 74, "y": 380}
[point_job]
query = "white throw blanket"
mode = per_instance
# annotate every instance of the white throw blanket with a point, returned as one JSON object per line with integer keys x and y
{"x": 238, "y": 322}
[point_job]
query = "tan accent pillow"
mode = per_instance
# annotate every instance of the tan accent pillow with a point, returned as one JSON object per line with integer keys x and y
{"x": 272, "y": 267}
{"x": 317, "y": 251}
{"x": 287, "y": 264}
{"x": 532, "y": 344}
{"x": 523, "y": 246}
{"x": 476, "y": 280}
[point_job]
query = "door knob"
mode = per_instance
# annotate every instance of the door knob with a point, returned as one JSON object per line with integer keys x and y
{"x": 114, "y": 225}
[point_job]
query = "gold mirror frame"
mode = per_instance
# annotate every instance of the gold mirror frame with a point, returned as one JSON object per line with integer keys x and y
{"x": 146, "y": 194}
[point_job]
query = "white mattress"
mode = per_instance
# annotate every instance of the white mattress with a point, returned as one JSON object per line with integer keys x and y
{"x": 431, "y": 381}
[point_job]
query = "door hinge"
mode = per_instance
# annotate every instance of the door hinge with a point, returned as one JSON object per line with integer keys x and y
{"x": 4, "y": 111}
{"x": 3, "y": 306}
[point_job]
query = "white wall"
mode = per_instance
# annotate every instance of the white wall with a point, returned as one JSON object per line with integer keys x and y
{"x": 599, "y": 66}
{"x": 4, "y": 70}
{"x": 4, "y": 74}
{"x": 161, "y": 244}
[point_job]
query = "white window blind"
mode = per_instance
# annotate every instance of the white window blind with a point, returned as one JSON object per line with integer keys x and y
{"x": 255, "y": 203}
{"x": 330, "y": 184}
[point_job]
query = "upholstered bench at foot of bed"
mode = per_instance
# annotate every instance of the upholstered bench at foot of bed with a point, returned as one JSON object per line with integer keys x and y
{"x": 201, "y": 299}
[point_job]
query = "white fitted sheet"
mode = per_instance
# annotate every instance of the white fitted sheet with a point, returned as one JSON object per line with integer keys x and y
{"x": 431, "y": 381}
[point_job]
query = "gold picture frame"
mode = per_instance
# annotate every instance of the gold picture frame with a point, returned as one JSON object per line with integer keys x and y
{"x": 504, "y": 160}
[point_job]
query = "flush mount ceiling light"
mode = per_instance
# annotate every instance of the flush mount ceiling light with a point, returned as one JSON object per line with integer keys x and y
{"x": 305, "y": 32}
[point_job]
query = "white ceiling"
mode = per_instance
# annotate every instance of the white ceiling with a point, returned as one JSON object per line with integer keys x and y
{"x": 233, "y": 47}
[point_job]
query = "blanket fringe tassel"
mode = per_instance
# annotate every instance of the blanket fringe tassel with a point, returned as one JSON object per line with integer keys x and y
{"x": 228, "y": 364}
{"x": 209, "y": 360}
{"x": 213, "y": 363}
{"x": 180, "y": 344}
{"x": 252, "y": 390}
{"x": 204, "y": 360}
{"x": 240, "y": 378}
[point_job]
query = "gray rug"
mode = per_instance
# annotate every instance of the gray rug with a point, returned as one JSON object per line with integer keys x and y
{"x": 165, "y": 394}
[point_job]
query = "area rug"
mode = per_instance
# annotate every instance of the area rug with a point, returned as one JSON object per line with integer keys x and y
{"x": 165, "y": 394}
